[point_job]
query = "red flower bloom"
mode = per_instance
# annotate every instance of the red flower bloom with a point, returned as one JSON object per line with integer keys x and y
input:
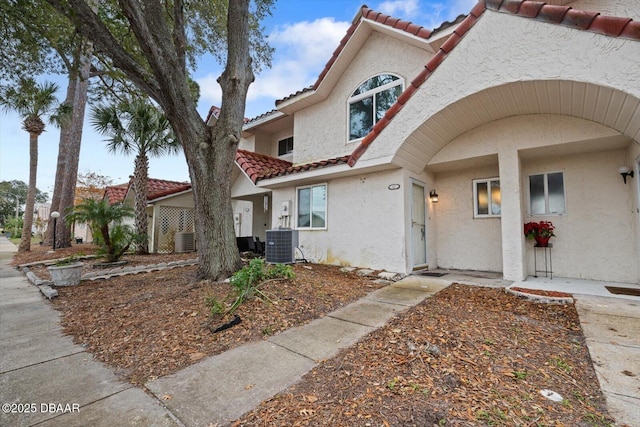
{"x": 542, "y": 228}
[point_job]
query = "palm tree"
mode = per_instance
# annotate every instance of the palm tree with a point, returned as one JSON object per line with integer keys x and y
{"x": 105, "y": 221}
{"x": 32, "y": 101}
{"x": 137, "y": 127}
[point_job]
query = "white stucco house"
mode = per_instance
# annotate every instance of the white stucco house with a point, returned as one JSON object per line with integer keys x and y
{"x": 519, "y": 111}
{"x": 170, "y": 213}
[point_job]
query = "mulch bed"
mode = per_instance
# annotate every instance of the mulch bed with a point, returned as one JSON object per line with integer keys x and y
{"x": 468, "y": 356}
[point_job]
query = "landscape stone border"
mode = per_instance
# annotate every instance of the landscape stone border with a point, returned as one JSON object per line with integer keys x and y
{"x": 45, "y": 286}
{"x": 540, "y": 298}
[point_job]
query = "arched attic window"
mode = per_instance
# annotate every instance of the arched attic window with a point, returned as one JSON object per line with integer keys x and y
{"x": 369, "y": 102}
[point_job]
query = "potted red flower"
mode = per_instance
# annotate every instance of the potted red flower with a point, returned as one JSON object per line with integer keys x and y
{"x": 540, "y": 231}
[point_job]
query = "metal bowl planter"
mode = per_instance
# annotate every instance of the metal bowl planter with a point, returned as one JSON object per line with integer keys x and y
{"x": 66, "y": 275}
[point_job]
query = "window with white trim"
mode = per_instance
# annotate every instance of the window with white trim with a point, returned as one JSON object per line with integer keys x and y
{"x": 369, "y": 102}
{"x": 546, "y": 194}
{"x": 312, "y": 207}
{"x": 486, "y": 198}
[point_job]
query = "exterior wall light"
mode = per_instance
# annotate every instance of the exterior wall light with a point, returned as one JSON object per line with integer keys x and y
{"x": 433, "y": 196}
{"x": 625, "y": 172}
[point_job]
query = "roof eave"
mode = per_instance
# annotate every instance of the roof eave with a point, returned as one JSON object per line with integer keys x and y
{"x": 327, "y": 172}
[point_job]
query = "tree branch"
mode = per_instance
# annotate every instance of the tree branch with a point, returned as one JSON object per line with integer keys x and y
{"x": 90, "y": 26}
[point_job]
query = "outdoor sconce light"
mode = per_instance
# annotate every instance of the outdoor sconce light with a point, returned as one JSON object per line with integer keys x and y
{"x": 625, "y": 172}
{"x": 433, "y": 196}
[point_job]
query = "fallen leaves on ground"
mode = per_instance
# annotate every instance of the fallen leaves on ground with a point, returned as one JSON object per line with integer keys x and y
{"x": 468, "y": 356}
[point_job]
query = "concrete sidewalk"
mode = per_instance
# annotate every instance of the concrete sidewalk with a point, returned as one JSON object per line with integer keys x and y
{"x": 611, "y": 327}
{"x": 47, "y": 380}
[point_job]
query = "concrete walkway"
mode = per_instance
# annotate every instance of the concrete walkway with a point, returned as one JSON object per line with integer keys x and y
{"x": 222, "y": 388}
{"x": 43, "y": 372}
{"x": 47, "y": 380}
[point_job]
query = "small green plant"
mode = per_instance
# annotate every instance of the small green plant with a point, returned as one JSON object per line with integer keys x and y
{"x": 392, "y": 384}
{"x": 597, "y": 420}
{"x": 493, "y": 418}
{"x": 559, "y": 363}
{"x": 520, "y": 375}
{"x": 488, "y": 341}
{"x": 215, "y": 306}
{"x": 68, "y": 260}
{"x": 483, "y": 415}
{"x": 246, "y": 284}
{"x": 579, "y": 396}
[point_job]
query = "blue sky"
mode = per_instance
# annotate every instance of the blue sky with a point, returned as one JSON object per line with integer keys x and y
{"x": 304, "y": 33}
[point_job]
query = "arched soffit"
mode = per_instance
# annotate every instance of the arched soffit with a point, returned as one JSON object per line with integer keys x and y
{"x": 600, "y": 104}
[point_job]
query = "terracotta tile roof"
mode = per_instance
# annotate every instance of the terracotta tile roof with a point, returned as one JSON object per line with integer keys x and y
{"x": 214, "y": 112}
{"x": 115, "y": 193}
{"x": 563, "y": 15}
{"x": 260, "y": 166}
{"x": 157, "y": 188}
{"x": 366, "y": 13}
{"x": 261, "y": 116}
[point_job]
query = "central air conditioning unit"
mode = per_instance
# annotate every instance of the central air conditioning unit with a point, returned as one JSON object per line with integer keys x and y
{"x": 280, "y": 247}
{"x": 185, "y": 242}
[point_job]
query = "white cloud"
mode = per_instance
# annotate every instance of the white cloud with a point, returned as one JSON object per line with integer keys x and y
{"x": 399, "y": 8}
{"x": 429, "y": 14}
{"x": 302, "y": 50}
{"x": 312, "y": 42}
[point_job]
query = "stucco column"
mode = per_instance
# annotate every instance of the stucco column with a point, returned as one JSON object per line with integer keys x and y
{"x": 513, "y": 240}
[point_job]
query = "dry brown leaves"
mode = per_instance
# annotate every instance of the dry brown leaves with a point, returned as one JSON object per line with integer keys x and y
{"x": 468, "y": 356}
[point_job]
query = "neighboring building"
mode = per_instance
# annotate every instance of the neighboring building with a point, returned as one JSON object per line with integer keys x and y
{"x": 170, "y": 210}
{"x": 41, "y": 219}
{"x": 521, "y": 111}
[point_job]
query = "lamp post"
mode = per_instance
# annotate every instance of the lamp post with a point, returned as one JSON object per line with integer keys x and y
{"x": 55, "y": 215}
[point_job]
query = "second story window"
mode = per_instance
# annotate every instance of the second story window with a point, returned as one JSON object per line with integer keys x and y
{"x": 370, "y": 101}
{"x": 285, "y": 146}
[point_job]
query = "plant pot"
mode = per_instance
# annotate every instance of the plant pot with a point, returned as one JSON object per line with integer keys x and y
{"x": 66, "y": 275}
{"x": 542, "y": 240}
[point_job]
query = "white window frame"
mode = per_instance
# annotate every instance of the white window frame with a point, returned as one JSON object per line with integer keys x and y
{"x": 546, "y": 193}
{"x": 353, "y": 99}
{"x": 487, "y": 181}
{"x": 326, "y": 202}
